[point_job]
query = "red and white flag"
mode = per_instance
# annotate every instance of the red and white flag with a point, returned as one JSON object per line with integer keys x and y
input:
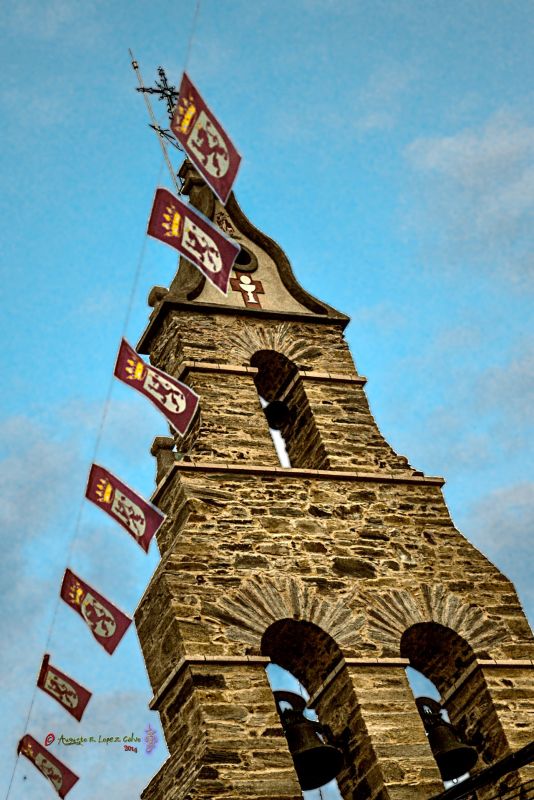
{"x": 67, "y": 692}
{"x": 140, "y": 518}
{"x": 205, "y": 141}
{"x": 185, "y": 229}
{"x": 107, "y": 624}
{"x": 174, "y": 399}
{"x": 61, "y": 777}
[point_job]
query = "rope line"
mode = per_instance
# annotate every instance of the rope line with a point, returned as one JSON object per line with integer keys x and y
{"x": 107, "y": 401}
{"x": 103, "y": 418}
{"x": 191, "y": 35}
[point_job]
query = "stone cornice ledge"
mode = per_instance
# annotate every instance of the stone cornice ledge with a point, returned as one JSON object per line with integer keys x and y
{"x": 254, "y": 661}
{"x": 187, "y": 661}
{"x": 482, "y": 663}
{"x": 355, "y": 663}
{"x": 290, "y": 472}
{"x": 239, "y": 369}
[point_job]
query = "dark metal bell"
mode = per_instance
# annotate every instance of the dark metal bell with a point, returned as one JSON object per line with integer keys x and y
{"x": 452, "y": 756}
{"x": 316, "y": 762}
{"x": 277, "y": 414}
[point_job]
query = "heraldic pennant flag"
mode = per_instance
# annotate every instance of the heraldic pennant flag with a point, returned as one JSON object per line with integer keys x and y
{"x": 107, "y": 624}
{"x": 205, "y": 141}
{"x": 174, "y": 399}
{"x": 67, "y": 692}
{"x": 140, "y": 518}
{"x": 61, "y": 776}
{"x": 182, "y": 227}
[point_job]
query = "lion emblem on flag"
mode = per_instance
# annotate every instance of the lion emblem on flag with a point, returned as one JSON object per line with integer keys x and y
{"x": 100, "y": 620}
{"x": 199, "y": 244}
{"x": 129, "y": 512}
{"x": 64, "y": 692}
{"x": 52, "y": 772}
{"x": 208, "y": 146}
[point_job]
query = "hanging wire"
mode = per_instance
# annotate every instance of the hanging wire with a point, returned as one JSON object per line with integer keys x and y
{"x": 164, "y": 136}
{"x": 190, "y": 42}
{"x": 109, "y": 392}
{"x": 75, "y": 536}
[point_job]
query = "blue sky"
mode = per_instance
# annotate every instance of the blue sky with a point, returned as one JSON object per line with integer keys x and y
{"x": 387, "y": 146}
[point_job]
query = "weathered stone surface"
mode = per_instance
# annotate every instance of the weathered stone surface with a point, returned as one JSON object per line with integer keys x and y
{"x": 354, "y": 567}
{"x": 329, "y": 568}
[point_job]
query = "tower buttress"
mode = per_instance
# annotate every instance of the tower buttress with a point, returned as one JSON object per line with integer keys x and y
{"x": 343, "y": 568}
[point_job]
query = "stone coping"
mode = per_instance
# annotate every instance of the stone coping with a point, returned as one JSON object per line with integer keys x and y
{"x": 523, "y": 663}
{"x": 186, "y": 661}
{"x": 290, "y": 472}
{"x": 486, "y": 663}
{"x": 355, "y": 662}
{"x": 382, "y": 663}
{"x": 254, "y": 661}
{"x": 239, "y": 369}
{"x": 213, "y": 366}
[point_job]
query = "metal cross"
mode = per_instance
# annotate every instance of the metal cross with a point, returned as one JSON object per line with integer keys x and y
{"x": 164, "y": 90}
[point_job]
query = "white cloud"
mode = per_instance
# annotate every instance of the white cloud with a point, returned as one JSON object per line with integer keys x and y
{"x": 385, "y": 316}
{"x": 34, "y": 107}
{"x": 51, "y": 19}
{"x": 37, "y": 474}
{"x": 42, "y": 486}
{"x": 475, "y": 411}
{"x": 501, "y": 524}
{"x": 43, "y": 470}
{"x": 380, "y": 102}
{"x": 505, "y": 518}
{"x": 509, "y": 387}
{"x": 477, "y": 195}
{"x": 129, "y": 426}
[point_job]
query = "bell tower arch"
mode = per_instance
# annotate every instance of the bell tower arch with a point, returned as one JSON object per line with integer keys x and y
{"x": 322, "y": 567}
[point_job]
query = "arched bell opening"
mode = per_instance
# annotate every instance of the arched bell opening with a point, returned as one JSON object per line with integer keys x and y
{"x": 428, "y": 700}
{"x": 303, "y": 649}
{"x": 302, "y": 657}
{"x": 289, "y": 692}
{"x": 287, "y": 410}
{"x": 437, "y": 652}
{"x": 453, "y": 700}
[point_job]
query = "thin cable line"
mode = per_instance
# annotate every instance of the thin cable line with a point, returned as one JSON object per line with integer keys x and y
{"x": 109, "y": 392}
{"x": 75, "y": 536}
{"x": 190, "y": 42}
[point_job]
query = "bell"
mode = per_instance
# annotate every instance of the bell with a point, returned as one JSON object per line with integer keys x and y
{"x": 452, "y": 756}
{"x": 316, "y": 762}
{"x": 277, "y": 414}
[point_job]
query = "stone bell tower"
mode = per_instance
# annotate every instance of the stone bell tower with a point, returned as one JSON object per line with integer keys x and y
{"x": 343, "y": 568}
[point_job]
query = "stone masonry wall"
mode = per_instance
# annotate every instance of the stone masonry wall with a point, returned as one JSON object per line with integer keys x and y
{"x": 333, "y": 426}
{"x": 338, "y": 545}
{"x": 355, "y": 543}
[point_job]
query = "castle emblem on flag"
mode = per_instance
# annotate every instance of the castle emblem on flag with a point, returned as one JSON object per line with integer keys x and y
{"x": 61, "y": 777}
{"x": 174, "y": 399}
{"x": 194, "y": 236}
{"x": 106, "y": 622}
{"x": 67, "y": 692}
{"x": 137, "y": 516}
{"x": 205, "y": 141}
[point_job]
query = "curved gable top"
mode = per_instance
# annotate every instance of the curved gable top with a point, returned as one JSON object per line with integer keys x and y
{"x": 262, "y": 281}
